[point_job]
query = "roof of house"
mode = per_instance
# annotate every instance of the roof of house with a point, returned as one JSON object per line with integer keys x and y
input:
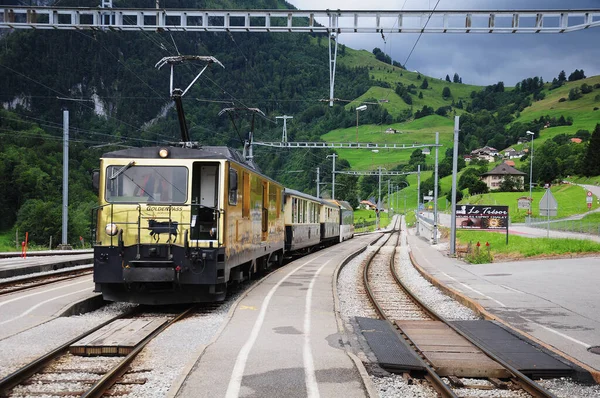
{"x": 576, "y": 140}
{"x": 504, "y": 169}
{"x": 510, "y": 163}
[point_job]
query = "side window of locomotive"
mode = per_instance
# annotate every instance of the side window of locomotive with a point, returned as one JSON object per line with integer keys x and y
{"x": 233, "y": 187}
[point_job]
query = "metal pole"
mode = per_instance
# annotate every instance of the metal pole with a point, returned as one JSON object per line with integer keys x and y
{"x": 65, "y": 202}
{"x": 548, "y": 212}
{"x": 454, "y": 173}
{"x": 418, "y": 197}
{"x": 318, "y": 184}
{"x": 333, "y": 178}
{"x": 379, "y": 198}
{"x": 357, "y": 126}
{"x": 285, "y": 118}
{"x": 379, "y": 191}
{"x": 531, "y": 178}
{"x": 389, "y": 196}
{"x": 435, "y": 190}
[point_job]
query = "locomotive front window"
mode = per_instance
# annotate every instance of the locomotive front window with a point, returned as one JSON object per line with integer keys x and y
{"x": 134, "y": 184}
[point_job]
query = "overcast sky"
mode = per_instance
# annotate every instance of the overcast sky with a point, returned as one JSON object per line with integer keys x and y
{"x": 478, "y": 58}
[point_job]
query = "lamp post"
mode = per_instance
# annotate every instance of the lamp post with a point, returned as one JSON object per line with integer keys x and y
{"x": 359, "y": 109}
{"x": 530, "y": 174}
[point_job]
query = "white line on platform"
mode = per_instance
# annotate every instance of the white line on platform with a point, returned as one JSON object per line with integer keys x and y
{"x": 312, "y": 387}
{"x": 475, "y": 290}
{"x": 44, "y": 291}
{"x": 42, "y": 303}
{"x": 511, "y": 289}
{"x": 558, "y": 333}
{"x": 235, "y": 382}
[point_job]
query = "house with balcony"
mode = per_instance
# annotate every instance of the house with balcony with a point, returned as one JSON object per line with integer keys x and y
{"x": 493, "y": 178}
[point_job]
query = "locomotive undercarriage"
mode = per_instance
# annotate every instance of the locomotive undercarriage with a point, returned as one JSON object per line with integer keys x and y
{"x": 160, "y": 274}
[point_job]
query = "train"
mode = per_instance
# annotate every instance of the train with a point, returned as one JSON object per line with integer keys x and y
{"x": 179, "y": 224}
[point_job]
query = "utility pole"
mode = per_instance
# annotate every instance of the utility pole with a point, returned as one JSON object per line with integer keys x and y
{"x": 454, "y": 173}
{"x": 285, "y": 118}
{"x": 418, "y": 196}
{"x": 389, "y": 197}
{"x": 318, "y": 183}
{"x": 435, "y": 191}
{"x": 333, "y": 176}
{"x": 65, "y": 200}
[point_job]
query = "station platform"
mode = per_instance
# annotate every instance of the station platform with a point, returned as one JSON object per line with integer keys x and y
{"x": 283, "y": 337}
{"x": 18, "y": 266}
{"x": 555, "y": 302}
{"x": 38, "y": 253}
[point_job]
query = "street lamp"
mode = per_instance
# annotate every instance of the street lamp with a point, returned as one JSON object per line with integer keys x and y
{"x": 530, "y": 174}
{"x": 359, "y": 109}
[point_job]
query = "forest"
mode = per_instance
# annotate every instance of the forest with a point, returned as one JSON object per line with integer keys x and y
{"x": 116, "y": 97}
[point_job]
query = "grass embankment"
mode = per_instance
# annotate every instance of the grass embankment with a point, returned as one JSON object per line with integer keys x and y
{"x": 520, "y": 247}
{"x": 364, "y": 220}
{"x": 419, "y": 131}
{"x": 7, "y": 242}
{"x": 571, "y": 200}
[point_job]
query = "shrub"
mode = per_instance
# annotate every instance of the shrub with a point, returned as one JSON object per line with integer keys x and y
{"x": 562, "y": 99}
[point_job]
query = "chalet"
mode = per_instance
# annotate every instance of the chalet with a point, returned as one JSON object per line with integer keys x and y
{"x": 467, "y": 158}
{"x": 487, "y": 152}
{"x": 494, "y": 177}
{"x": 391, "y": 131}
{"x": 510, "y": 153}
{"x": 426, "y": 151}
{"x": 368, "y": 205}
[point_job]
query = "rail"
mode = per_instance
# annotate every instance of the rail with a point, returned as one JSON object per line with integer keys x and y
{"x": 100, "y": 387}
{"x": 443, "y": 389}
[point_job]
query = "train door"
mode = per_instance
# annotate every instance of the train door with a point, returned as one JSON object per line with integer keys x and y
{"x": 205, "y": 201}
{"x": 265, "y": 210}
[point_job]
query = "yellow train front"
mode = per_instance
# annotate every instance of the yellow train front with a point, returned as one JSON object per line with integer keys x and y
{"x": 177, "y": 225}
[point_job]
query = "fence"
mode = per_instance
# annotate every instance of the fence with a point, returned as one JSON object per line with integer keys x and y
{"x": 585, "y": 227}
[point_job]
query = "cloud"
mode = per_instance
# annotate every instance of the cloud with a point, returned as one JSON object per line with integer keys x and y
{"x": 480, "y": 59}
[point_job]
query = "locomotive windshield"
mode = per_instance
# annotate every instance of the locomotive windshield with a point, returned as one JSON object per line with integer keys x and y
{"x": 134, "y": 184}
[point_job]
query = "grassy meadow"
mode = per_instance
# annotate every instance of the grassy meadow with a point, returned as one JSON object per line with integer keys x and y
{"x": 520, "y": 247}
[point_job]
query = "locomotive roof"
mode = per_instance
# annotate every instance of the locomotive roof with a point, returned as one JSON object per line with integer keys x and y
{"x": 206, "y": 152}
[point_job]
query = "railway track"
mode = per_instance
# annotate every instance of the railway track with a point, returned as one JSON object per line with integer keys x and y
{"x": 60, "y": 373}
{"x": 395, "y": 303}
{"x": 28, "y": 282}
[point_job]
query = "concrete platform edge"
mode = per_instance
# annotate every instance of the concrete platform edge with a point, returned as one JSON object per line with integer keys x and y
{"x": 14, "y": 272}
{"x": 478, "y": 308}
{"x": 83, "y": 306}
{"x": 366, "y": 379}
{"x": 176, "y": 386}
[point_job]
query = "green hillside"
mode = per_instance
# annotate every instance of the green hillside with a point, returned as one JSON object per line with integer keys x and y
{"x": 419, "y": 131}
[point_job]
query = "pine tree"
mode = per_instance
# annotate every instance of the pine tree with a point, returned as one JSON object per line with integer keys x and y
{"x": 448, "y": 78}
{"x": 425, "y": 84}
{"x": 456, "y": 78}
{"x": 591, "y": 161}
{"x": 562, "y": 77}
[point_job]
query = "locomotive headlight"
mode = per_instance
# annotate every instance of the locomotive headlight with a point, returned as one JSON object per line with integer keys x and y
{"x": 163, "y": 153}
{"x": 111, "y": 229}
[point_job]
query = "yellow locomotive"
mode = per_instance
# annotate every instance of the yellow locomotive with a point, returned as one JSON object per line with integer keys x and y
{"x": 178, "y": 224}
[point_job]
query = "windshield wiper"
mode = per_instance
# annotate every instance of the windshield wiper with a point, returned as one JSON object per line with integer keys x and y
{"x": 122, "y": 170}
